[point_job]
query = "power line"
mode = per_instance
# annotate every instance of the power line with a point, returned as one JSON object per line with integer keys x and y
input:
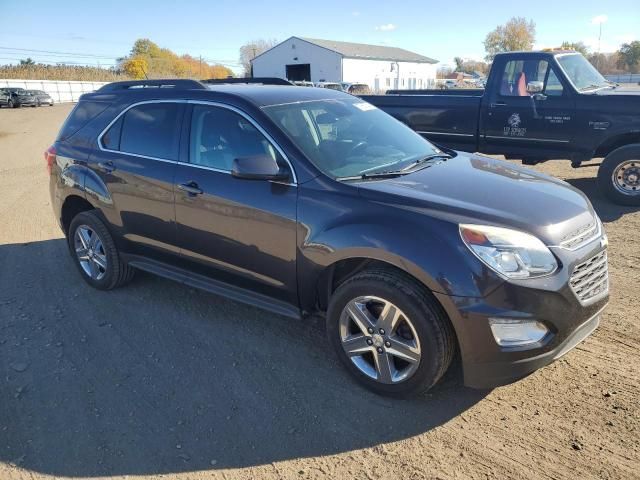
{"x": 68, "y": 54}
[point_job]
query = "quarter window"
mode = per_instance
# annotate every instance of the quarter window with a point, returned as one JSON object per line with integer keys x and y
{"x": 150, "y": 129}
{"x": 219, "y": 135}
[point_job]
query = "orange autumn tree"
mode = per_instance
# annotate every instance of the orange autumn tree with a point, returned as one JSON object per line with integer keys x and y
{"x": 148, "y": 60}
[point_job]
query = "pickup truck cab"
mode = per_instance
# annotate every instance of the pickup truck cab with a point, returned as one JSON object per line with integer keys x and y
{"x": 536, "y": 106}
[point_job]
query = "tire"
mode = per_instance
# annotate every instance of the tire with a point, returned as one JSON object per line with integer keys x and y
{"x": 422, "y": 324}
{"x": 10, "y": 104}
{"x": 619, "y": 175}
{"x": 117, "y": 273}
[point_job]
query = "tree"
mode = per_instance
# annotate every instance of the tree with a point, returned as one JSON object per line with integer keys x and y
{"x": 577, "y": 46}
{"x": 251, "y": 50}
{"x": 148, "y": 58}
{"x": 27, "y": 61}
{"x": 629, "y": 56}
{"x": 516, "y": 34}
{"x": 135, "y": 68}
{"x": 459, "y": 64}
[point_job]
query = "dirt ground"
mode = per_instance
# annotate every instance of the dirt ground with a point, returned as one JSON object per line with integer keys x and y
{"x": 160, "y": 380}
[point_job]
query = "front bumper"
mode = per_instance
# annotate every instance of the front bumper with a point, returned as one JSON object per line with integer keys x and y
{"x": 549, "y": 300}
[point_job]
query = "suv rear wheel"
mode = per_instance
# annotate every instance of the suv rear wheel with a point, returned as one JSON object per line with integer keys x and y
{"x": 619, "y": 175}
{"x": 95, "y": 254}
{"x": 390, "y": 333}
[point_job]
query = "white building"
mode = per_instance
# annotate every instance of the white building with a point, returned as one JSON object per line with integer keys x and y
{"x": 316, "y": 60}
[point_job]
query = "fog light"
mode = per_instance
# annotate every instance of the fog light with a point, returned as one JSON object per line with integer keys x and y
{"x": 517, "y": 333}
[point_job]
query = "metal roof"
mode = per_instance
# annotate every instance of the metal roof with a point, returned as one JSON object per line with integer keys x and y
{"x": 370, "y": 52}
{"x": 363, "y": 51}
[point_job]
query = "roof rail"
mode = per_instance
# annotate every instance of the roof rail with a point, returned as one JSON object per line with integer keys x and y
{"x": 168, "y": 83}
{"x": 248, "y": 80}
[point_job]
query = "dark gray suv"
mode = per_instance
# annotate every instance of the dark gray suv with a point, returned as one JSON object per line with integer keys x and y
{"x": 303, "y": 200}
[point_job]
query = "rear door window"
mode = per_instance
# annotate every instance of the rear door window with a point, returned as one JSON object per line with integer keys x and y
{"x": 151, "y": 130}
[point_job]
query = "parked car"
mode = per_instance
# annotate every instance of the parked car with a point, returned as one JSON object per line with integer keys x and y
{"x": 19, "y": 97}
{"x": 356, "y": 88}
{"x": 536, "y": 106}
{"x": 15, "y": 97}
{"x": 330, "y": 85}
{"x": 305, "y": 200}
{"x": 42, "y": 98}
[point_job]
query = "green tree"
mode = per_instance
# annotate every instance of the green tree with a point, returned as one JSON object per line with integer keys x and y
{"x": 629, "y": 56}
{"x": 577, "y": 46}
{"x": 517, "y": 34}
{"x": 27, "y": 61}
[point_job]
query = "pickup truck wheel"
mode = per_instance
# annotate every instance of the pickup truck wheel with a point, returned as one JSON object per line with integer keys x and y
{"x": 95, "y": 254}
{"x": 619, "y": 175}
{"x": 390, "y": 334}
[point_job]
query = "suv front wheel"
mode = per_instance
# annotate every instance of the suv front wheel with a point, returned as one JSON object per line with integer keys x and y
{"x": 390, "y": 333}
{"x": 95, "y": 254}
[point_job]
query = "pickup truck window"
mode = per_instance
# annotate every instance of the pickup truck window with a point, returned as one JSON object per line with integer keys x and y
{"x": 581, "y": 73}
{"x": 346, "y": 138}
{"x": 519, "y": 73}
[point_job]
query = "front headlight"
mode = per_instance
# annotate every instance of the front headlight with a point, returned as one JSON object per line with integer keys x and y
{"x": 510, "y": 253}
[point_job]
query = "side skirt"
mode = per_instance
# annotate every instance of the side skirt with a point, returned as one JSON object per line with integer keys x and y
{"x": 213, "y": 286}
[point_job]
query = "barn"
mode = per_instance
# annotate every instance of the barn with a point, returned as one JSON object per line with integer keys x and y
{"x": 315, "y": 60}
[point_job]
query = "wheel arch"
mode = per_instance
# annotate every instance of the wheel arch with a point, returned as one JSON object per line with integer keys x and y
{"x": 616, "y": 141}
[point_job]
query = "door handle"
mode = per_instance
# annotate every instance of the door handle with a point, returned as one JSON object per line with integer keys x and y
{"x": 191, "y": 188}
{"x": 107, "y": 167}
{"x": 498, "y": 104}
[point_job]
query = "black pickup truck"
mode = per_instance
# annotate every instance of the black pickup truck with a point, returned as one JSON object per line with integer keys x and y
{"x": 536, "y": 106}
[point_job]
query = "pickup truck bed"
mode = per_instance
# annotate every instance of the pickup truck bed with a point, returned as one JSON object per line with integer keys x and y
{"x": 533, "y": 110}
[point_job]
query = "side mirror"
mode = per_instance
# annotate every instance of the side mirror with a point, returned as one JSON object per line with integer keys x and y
{"x": 258, "y": 167}
{"x": 535, "y": 87}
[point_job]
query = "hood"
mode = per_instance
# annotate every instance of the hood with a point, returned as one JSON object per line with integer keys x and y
{"x": 472, "y": 188}
{"x": 618, "y": 91}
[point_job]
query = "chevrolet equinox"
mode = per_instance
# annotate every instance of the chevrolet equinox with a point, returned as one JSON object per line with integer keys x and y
{"x": 309, "y": 200}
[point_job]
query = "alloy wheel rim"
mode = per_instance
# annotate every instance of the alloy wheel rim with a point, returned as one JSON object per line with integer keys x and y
{"x": 626, "y": 177}
{"x": 379, "y": 339}
{"x": 90, "y": 252}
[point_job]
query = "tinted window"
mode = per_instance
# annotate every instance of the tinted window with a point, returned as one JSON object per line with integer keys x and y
{"x": 82, "y": 113}
{"x": 553, "y": 86}
{"x": 219, "y": 135}
{"x": 152, "y": 129}
{"x": 111, "y": 138}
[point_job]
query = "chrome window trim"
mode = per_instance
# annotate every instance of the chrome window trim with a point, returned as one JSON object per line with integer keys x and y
{"x": 202, "y": 167}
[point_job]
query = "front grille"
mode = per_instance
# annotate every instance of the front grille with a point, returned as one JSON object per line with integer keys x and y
{"x": 581, "y": 236}
{"x": 591, "y": 278}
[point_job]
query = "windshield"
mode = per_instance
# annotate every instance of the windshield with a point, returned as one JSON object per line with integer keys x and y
{"x": 348, "y": 138}
{"x": 582, "y": 74}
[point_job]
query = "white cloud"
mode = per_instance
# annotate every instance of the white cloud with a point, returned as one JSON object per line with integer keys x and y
{"x": 598, "y": 19}
{"x": 388, "y": 27}
{"x": 355, "y": 13}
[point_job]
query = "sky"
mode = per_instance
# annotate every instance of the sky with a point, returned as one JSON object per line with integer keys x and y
{"x": 92, "y": 32}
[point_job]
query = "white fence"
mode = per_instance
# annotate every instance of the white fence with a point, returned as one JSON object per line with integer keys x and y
{"x": 624, "y": 78}
{"x": 59, "y": 90}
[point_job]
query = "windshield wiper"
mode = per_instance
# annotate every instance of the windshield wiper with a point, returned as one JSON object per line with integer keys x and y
{"x": 595, "y": 86}
{"x": 427, "y": 159}
{"x": 383, "y": 174}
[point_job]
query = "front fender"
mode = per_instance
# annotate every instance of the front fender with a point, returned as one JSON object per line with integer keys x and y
{"x": 427, "y": 248}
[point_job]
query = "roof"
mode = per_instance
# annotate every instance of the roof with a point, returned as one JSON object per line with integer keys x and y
{"x": 370, "y": 52}
{"x": 256, "y": 95}
{"x": 364, "y": 51}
